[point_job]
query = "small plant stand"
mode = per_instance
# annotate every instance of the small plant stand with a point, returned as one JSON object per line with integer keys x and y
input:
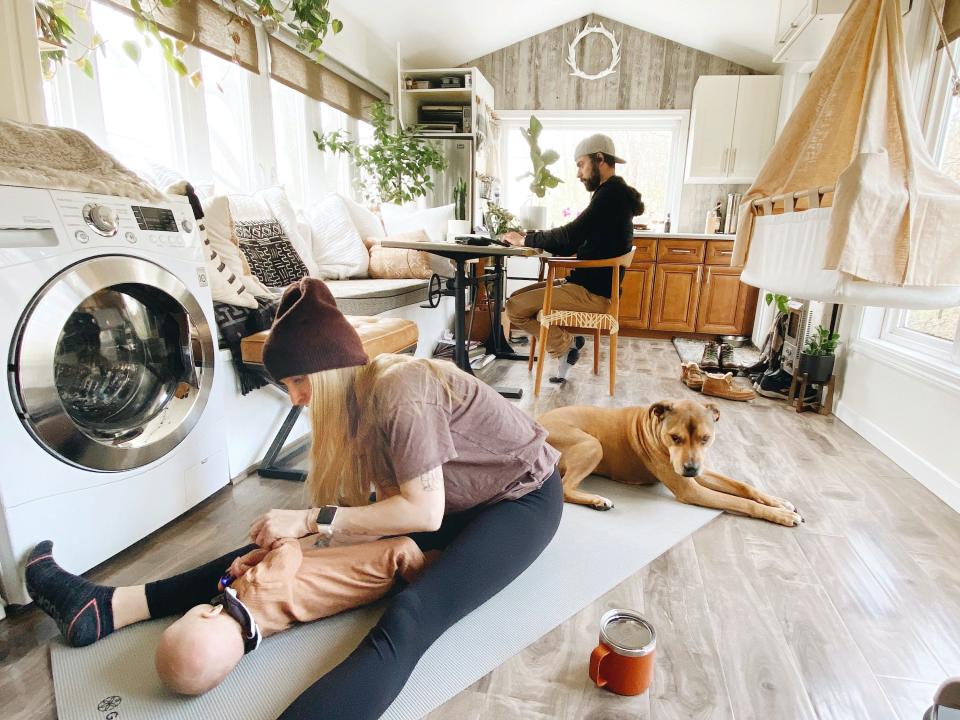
{"x": 798, "y": 389}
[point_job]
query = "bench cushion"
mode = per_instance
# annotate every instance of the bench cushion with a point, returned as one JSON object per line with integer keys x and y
{"x": 378, "y": 334}
{"x": 375, "y": 296}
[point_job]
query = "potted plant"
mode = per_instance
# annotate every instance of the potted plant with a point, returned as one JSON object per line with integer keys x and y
{"x": 396, "y": 166}
{"x": 818, "y": 356}
{"x": 500, "y": 220}
{"x": 461, "y": 224}
{"x": 536, "y": 215}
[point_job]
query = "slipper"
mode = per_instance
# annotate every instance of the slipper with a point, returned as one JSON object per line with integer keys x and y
{"x": 691, "y": 375}
{"x": 723, "y": 386}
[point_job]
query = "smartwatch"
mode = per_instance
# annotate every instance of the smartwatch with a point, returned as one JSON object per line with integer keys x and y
{"x": 326, "y": 515}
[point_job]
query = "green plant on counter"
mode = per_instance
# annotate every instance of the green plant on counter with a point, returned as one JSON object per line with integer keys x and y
{"x": 500, "y": 220}
{"x": 310, "y": 20}
{"x": 543, "y": 179}
{"x": 460, "y": 199}
{"x": 822, "y": 342}
{"x": 396, "y": 166}
{"x": 781, "y": 301}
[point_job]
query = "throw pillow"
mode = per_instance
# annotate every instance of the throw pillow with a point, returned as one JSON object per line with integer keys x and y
{"x": 270, "y": 253}
{"x": 433, "y": 222}
{"x": 367, "y": 223}
{"x": 280, "y": 208}
{"x": 225, "y": 285}
{"x": 337, "y": 248}
{"x": 391, "y": 263}
{"x": 219, "y": 226}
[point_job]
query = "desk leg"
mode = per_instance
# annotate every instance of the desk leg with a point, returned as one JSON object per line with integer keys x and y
{"x": 498, "y": 344}
{"x": 460, "y": 354}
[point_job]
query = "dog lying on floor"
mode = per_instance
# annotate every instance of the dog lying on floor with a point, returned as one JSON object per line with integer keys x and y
{"x": 665, "y": 442}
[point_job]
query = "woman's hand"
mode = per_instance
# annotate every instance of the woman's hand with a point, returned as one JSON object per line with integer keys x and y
{"x": 279, "y": 524}
{"x": 514, "y": 238}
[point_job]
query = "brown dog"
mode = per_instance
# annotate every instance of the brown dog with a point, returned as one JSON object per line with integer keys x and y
{"x": 666, "y": 441}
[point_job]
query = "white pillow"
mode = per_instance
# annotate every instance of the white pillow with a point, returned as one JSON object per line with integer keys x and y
{"x": 366, "y": 222}
{"x": 433, "y": 221}
{"x": 338, "y": 251}
{"x": 219, "y": 224}
{"x": 225, "y": 285}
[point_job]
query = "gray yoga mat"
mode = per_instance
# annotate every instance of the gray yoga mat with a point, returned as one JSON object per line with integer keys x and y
{"x": 591, "y": 553}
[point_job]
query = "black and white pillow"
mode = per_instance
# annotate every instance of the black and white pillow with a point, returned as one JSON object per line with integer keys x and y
{"x": 271, "y": 256}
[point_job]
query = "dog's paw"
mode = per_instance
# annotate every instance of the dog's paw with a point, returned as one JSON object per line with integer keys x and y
{"x": 789, "y": 518}
{"x": 601, "y": 503}
{"x": 777, "y": 502}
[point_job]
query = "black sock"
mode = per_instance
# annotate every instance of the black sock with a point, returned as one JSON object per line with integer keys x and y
{"x": 83, "y": 610}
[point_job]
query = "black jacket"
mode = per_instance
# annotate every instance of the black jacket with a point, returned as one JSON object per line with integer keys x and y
{"x": 603, "y": 230}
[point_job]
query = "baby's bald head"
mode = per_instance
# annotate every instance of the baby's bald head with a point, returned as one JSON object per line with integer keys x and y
{"x": 199, "y": 650}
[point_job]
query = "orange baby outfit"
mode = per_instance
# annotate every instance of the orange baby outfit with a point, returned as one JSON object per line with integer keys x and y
{"x": 297, "y": 582}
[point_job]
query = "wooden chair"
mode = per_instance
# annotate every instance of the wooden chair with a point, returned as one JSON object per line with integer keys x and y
{"x": 607, "y": 323}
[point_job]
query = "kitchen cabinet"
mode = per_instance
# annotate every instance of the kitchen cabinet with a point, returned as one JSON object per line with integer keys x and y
{"x": 676, "y": 294}
{"x": 733, "y": 126}
{"x": 636, "y": 295}
{"x": 724, "y": 301}
{"x": 805, "y": 28}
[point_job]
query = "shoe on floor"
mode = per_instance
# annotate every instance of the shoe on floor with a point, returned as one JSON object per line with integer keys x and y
{"x": 727, "y": 361}
{"x": 723, "y": 386}
{"x": 711, "y": 357}
{"x": 569, "y": 360}
{"x": 691, "y": 376}
{"x": 777, "y": 385}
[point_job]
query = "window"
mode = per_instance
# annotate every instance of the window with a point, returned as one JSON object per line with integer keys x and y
{"x": 226, "y": 88}
{"x": 650, "y": 142}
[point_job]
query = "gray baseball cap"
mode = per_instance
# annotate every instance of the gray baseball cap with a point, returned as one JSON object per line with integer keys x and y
{"x": 597, "y": 144}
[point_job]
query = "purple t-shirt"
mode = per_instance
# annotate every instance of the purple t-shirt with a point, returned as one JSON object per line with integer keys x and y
{"x": 489, "y": 449}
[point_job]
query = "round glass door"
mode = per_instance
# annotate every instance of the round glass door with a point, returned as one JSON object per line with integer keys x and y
{"x": 113, "y": 364}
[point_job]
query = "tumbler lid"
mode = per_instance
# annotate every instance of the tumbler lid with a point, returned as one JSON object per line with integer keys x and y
{"x": 627, "y": 633}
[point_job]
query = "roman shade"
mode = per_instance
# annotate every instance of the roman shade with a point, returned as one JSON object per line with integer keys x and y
{"x": 206, "y": 25}
{"x": 951, "y": 20}
{"x": 302, "y": 73}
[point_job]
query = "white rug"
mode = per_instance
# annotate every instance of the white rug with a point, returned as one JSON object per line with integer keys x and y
{"x": 591, "y": 553}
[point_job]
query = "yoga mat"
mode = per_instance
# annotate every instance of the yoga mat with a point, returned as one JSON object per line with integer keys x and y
{"x": 591, "y": 553}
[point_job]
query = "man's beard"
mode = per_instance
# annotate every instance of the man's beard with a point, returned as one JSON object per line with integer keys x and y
{"x": 593, "y": 182}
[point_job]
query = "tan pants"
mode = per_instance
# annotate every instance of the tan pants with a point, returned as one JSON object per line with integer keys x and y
{"x": 522, "y": 308}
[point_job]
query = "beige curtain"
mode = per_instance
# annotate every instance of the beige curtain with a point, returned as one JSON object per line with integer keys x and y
{"x": 294, "y": 69}
{"x": 896, "y": 217}
{"x": 208, "y": 26}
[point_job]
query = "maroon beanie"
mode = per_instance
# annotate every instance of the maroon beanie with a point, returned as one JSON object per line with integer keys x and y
{"x": 310, "y": 334}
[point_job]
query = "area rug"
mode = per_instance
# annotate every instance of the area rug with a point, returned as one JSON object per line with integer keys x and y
{"x": 692, "y": 351}
{"x": 591, "y": 553}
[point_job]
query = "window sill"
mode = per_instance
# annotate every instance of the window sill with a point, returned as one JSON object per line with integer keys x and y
{"x": 916, "y": 364}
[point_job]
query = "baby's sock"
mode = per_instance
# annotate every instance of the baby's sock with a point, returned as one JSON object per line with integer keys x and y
{"x": 568, "y": 360}
{"x": 82, "y": 609}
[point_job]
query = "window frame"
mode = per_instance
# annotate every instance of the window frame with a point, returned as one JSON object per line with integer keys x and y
{"x": 678, "y": 121}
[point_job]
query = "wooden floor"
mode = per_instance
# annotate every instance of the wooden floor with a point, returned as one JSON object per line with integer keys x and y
{"x": 855, "y": 614}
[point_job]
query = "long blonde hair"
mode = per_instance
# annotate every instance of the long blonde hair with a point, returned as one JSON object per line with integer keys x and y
{"x": 349, "y": 451}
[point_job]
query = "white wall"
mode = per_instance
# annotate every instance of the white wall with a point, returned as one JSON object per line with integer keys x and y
{"x": 358, "y": 49}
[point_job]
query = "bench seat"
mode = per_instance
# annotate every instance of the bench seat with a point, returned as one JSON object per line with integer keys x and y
{"x": 373, "y": 296}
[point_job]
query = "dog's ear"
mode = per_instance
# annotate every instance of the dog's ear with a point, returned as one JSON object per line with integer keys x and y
{"x": 714, "y": 409}
{"x": 661, "y": 408}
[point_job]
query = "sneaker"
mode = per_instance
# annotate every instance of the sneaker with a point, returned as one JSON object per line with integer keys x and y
{"x": 711, "y": 357}
{"x": 726, "y": 358}
{"x": 777, "y": 385}
{"x": 723, "y": 386}
{"x": 691, "y": 376}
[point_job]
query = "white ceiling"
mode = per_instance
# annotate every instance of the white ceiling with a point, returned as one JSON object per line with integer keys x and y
{"x": 438, "y": 33}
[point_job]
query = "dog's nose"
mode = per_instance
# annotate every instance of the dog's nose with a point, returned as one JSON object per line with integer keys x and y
{"x": 691, "y": 470}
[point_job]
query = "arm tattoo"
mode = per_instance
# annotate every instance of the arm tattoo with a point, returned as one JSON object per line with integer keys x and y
{"x": 432, "y": 480}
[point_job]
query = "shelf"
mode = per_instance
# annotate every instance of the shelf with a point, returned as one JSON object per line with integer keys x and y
{"x": 446, "y": 136}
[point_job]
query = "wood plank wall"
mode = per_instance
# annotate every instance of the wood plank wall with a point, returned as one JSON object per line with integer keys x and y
{"x": 654, "y": 74}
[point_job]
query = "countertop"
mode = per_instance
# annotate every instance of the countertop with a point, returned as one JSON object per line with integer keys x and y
{"x": 682, "y": 236}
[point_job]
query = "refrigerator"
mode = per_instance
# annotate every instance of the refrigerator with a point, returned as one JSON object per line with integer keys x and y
{"x": 458, "y": 153}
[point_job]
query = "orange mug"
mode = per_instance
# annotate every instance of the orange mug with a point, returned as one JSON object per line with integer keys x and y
{"x": 623, "y": 661}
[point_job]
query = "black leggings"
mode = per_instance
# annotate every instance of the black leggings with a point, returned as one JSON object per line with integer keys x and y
{"x": 484, "y": 549}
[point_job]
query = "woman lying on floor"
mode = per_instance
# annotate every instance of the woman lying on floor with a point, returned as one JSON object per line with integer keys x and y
{"x": 453, "y": 464}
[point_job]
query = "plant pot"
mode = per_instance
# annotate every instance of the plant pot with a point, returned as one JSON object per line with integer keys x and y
{"x": 818, "y": 368}
{"x": 456, "y": 228}
{"x": 534, "y": 217}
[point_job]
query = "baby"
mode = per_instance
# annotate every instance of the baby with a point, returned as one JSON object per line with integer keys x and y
{"x": 266, "y": 591}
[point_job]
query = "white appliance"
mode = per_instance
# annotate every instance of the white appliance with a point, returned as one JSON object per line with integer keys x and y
{"x": 803, "y": 317}
{"x": 109, "y": 423}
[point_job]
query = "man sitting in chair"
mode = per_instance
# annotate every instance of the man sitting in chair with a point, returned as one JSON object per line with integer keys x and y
{"x": 604, "y": 230}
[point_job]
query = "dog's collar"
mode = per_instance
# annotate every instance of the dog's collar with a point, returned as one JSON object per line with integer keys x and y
{"x": 234, "y": 607}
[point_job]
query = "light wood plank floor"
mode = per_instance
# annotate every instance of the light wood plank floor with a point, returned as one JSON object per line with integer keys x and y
{"x": 855, "y": 614}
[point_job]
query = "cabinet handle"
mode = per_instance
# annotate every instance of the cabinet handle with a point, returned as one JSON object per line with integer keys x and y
{"x": 680, "y": 251}
{"x": 723, "y": 162}
{"x": 725, "y": 252}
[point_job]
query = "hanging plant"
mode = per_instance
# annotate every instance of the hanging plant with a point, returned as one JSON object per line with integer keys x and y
{"x": 396, "y": 166}
{"x": 311, "y": 20}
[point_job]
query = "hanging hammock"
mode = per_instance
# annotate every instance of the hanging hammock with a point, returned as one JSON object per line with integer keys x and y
{"x": 892, "y": 236}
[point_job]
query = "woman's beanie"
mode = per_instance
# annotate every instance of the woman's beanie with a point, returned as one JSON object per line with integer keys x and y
{"x": 310, "y": 334}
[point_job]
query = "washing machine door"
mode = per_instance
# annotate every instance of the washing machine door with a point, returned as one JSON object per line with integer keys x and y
{"x": 112, "y": 363}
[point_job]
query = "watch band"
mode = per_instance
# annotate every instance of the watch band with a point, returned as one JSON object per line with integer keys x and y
{"x": 326, "y": 514}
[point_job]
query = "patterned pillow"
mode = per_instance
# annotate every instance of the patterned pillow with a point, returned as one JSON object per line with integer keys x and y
{"x": 272, "y": 257}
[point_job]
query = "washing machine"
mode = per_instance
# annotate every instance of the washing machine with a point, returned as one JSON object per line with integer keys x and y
{"x": 110, "y": 425}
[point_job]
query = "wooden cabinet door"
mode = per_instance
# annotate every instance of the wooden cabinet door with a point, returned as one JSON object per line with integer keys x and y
{"x": 636, "y": 296}
{"x": 754, "y": 127}
{"x": 725, "y": 302}
{"x": 711, "y": 127}
{"x": 676, "y": 293}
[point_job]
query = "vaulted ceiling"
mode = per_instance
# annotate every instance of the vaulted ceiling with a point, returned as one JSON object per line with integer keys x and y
{"x": 441, "y": 33}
